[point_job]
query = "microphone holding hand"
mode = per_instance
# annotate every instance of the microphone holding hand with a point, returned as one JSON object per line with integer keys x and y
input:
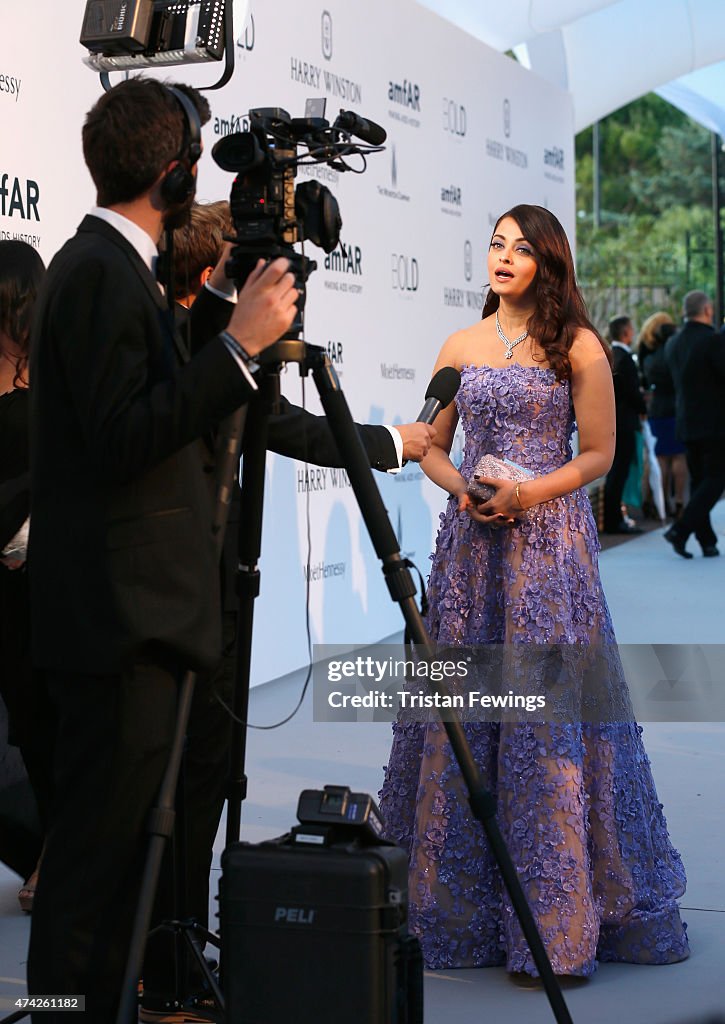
{"x": 417, "y": 437}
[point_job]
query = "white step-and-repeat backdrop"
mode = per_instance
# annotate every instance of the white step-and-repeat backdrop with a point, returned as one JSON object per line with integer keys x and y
{"x": 470, "y": 133}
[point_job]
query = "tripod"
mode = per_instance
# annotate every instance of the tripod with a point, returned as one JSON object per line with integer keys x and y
{"x": 402, "y": 590}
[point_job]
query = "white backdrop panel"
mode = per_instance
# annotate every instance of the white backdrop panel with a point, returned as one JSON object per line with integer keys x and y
{"x": 470, "y": 133}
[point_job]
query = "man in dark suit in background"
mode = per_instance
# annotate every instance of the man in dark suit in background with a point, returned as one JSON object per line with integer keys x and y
{"x": 124, "y": 578}
{"x": 696, "y": 358}
{"x": 630, "y": 406}
{"x": 198, "y": 247}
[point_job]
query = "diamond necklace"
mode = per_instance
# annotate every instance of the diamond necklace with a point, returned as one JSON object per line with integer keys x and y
{"x": 510, "y": 345}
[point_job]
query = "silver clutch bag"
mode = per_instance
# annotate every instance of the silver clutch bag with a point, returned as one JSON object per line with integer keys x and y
{"x": 496, "y": 469}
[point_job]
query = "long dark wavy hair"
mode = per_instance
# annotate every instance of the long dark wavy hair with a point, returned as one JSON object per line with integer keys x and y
{"x": 560, "y": 310}
{"x": 21, "y": 273}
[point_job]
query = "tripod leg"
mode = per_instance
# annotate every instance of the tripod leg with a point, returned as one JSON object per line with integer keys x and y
{"x": 248, "y": 579}
{"x": 160, "y": 827}
{"x": 197, "y": 948}
{"x": 402, "y": 590}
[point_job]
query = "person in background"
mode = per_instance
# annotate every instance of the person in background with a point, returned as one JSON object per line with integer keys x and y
{"x": 294, "y": 431}
{"x": 630, "y": 406}
{"x": 21, "y": 275}
{"x": 661, "y": 417}
{"x": 646, "y": 345}
{"x": 695, "y": 356}
{"x": 647, "y": 341}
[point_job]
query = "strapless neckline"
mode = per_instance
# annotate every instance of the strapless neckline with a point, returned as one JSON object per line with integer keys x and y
{"x": 510, "y": 366}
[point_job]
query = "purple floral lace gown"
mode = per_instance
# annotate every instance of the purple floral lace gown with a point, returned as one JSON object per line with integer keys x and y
{"x": 577, "y": 804}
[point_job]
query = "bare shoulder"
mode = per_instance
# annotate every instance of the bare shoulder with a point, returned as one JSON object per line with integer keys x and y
{"x": 586, "y": 351}
{"x": 465, "y": 346}
{"x": 452, "y": 352}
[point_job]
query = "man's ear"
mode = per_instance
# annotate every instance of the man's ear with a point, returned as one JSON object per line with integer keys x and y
{"x": 205, "y": 275}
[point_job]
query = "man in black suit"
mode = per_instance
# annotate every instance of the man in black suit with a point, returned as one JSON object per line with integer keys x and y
{"x": 629, "y": 404}
{"x": 696, "y": 358}
{"x": 124, "y": 578}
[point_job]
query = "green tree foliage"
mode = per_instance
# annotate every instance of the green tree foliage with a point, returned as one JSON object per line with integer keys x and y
{"x": 654, "y": 242}
{"x": 652, "y": 156}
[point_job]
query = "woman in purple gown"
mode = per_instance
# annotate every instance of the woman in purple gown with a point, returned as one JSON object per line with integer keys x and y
{"x": 577, "y": 804}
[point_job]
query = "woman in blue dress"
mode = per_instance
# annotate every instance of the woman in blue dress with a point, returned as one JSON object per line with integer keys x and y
{"x": 577, "y": 804}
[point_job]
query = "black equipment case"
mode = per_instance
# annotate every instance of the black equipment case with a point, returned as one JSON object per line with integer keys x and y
{"x": 317, "y": 933}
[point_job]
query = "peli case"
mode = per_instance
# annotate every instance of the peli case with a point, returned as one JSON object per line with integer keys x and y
{"x": 317, "y": 933}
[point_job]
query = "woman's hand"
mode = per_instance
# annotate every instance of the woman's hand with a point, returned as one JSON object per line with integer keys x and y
{"x": 503, "y": 509}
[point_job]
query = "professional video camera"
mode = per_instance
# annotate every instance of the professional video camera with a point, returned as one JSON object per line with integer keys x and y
{"x": 270, "y": 215}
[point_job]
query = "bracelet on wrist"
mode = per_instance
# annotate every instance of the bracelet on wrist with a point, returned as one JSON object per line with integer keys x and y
{"x": 249, "y": 361}
{"x": 518, "y": 497}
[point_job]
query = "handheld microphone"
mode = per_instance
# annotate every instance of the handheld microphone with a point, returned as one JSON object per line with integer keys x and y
{"x": 441, "y": 392}
{"x": 366, "y": 130}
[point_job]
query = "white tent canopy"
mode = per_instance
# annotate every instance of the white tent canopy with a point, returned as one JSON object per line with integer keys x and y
{"x": 610, "y": 53}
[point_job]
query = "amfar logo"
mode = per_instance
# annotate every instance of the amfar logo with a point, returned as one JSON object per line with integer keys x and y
{"x": 406, "y": 273}
{"x": 554, "y": 157}
{"x": 454, "y": 118}
{"x": 248, "y": 38}
{"x": 452, "y": 200}
{"x": 346, "y": 259}
{"x": 227, "y": 126}
{"x": 406, "y": 94}
{"x": 327, "y": 35}
{"x": 507, "y": 118}
{"x": 24, "y": 198}
{"x": 468, "y": 260}
{"x": 334, "y": 354}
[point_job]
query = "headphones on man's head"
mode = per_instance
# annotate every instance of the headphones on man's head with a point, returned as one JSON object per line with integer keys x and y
{"x": 180, "y": 183}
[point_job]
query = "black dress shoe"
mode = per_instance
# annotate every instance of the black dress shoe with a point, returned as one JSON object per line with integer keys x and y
{"x": 677, "y": 542}
{"x": 710, "y": 551}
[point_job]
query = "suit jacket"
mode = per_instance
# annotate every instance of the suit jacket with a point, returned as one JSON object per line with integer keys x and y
{"x": 121, "y": 560}
{"x": 302, "y": 435}
{"x": 658, "y": 378}
{"x": 696, "y": 358}
{"x": 297, "y": 434}
{"x": 628, "y": 398}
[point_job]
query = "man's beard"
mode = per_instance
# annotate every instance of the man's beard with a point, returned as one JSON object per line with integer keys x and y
{"x": 178, "y": 215}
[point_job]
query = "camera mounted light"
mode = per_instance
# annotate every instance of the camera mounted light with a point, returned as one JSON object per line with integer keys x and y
{"x": 130, "y": 35}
